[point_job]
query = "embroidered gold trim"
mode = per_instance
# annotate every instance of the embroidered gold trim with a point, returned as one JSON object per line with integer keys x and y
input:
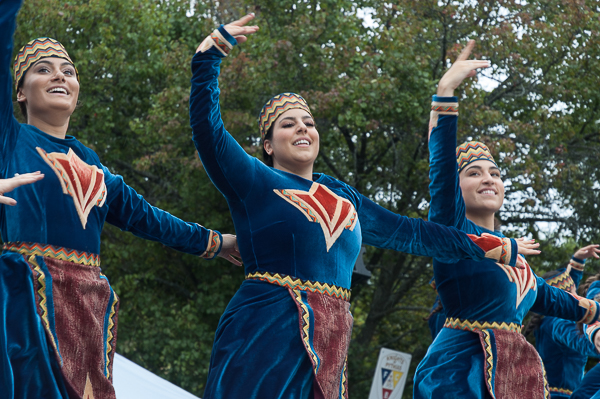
{"x": 439, "y": 108}
{"x": 561, "y": 390}
{"x": 576, "y": 265}
{"x": 216, "y": 40}
{"x": 299, "y": 284}
{"x": 51, "y": 251}
{"x": 214, "y": 244}
{"x": 468, "y": 325}
{"x": 489, "y": 362}
{"x": 110, "y": 335}
{"x": 41, "y": 278}
{"x": 305, "y": 330}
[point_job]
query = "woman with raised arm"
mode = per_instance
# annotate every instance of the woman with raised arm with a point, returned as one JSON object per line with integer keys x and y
{"x": 480, "y": 352}
{"x": 285, "y": 333}
{"x": 58, "y": 313}
{"x": 563, "y": 348}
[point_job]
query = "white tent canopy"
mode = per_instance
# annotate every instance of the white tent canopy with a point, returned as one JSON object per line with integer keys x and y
{"x": 134, "y": 382}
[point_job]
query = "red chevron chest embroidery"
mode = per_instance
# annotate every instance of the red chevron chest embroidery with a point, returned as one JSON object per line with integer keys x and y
{"x": 524, "y": 279}
{"x": 83, "y": 182}
{"x": 323, "y": 206}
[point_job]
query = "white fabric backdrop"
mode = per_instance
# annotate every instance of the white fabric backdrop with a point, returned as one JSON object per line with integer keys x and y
{"x": 134, "y": 382}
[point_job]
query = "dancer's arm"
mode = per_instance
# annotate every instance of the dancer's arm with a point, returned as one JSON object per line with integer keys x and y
{"x": 9, "y": 126}
{"x": 384, "y": 229}
{"x": 577, "y": 262}
{"x": 447, "y": 206}
{"x": 565, "y": 332}
{"x": 129, "y": 211}
{"x": 552, "y": 301}
{"x": 229, "y": 167}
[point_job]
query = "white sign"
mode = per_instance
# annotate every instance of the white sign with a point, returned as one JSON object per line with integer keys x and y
{"x": 390, "y": 374}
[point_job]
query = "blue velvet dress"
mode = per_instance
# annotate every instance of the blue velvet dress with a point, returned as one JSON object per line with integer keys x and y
{"x": 590, "y": 384}
{"x": 57, "y": 310}
{"x": 282, "y": 336}
{"x": 480, "y": 352}
{"x": 564, "y": 351}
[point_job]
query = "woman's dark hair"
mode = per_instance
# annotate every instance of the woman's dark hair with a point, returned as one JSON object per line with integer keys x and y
{"x": 22, "y": 106}
{"x": 583, "y": 288}
{"x": 497, "y": 224}
{"x": 438, "y": 308}
{"x": 267, "y": 159}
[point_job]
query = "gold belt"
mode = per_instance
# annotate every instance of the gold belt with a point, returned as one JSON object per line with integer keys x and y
{"x": 51, "y": 251}
{"x": 298, "y": 284}
{"x": 468, "y": 325}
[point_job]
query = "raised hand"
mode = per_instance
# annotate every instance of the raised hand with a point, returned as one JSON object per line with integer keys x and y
{"x": 229, "y": 250}
{"x": 588, "y": 252}
{"x": 237, "y": 29}
{"x": 7, "y": 185}
{"x": 597, "y": 341}
{"x": 461, "y": 69}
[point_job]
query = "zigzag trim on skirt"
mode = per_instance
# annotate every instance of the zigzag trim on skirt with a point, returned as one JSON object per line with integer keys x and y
{"x": 467, "y": 325}
{"x": 561, "y": 390}
{"x": 298, "y": 284}
{"x": 51, "y": 251}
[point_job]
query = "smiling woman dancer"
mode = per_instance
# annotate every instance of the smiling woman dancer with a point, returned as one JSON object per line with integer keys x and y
{"x": 58, "y": 315}
{"x": 285, "y": 333}
{"x": 480, "y": 352}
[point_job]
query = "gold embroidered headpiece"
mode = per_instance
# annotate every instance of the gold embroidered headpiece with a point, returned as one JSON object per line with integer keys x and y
{"x": 277, "y": 106}
{"x": 562, "y": 280}
{"x": 35, "y": 50}
{"x": 472, "y": 151}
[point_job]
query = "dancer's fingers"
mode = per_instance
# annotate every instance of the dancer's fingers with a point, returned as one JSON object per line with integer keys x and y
{"x": 466, "y": 51}
{"x": 7, "y": 201}
{"x": 244, "y": 20}
{"x": 10, "y": 184}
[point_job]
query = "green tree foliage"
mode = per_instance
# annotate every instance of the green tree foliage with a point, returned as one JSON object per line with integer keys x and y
{"x": 369, "y": 86}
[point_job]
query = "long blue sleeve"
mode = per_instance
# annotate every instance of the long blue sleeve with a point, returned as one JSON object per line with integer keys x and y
{"x": 384, "y": 229}
{"x": 129, "y": 211}
{"x": 447, "y": 206}
{"x": 565, "y": 332}
{"x": 229, "y": 167}
{"x": 552, "y": 301}
{"x": 9, "y": 126}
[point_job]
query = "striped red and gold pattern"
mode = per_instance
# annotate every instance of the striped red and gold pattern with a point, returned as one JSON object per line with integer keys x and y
{"x": 35, "y": 50}
{"x": 277, "y": 106}
{"x": 472, "y": 151}
{"x": 51, "y": 251}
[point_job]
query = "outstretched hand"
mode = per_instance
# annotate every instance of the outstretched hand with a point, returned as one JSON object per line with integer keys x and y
{"x": 229, "y": 250}
{"x": 461, "y": 69}
{"x": 238, "y": 29}
{"x": 588, "y": 252}
{"x": 7, "y": 185}
{"x": 526, "y": 247}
